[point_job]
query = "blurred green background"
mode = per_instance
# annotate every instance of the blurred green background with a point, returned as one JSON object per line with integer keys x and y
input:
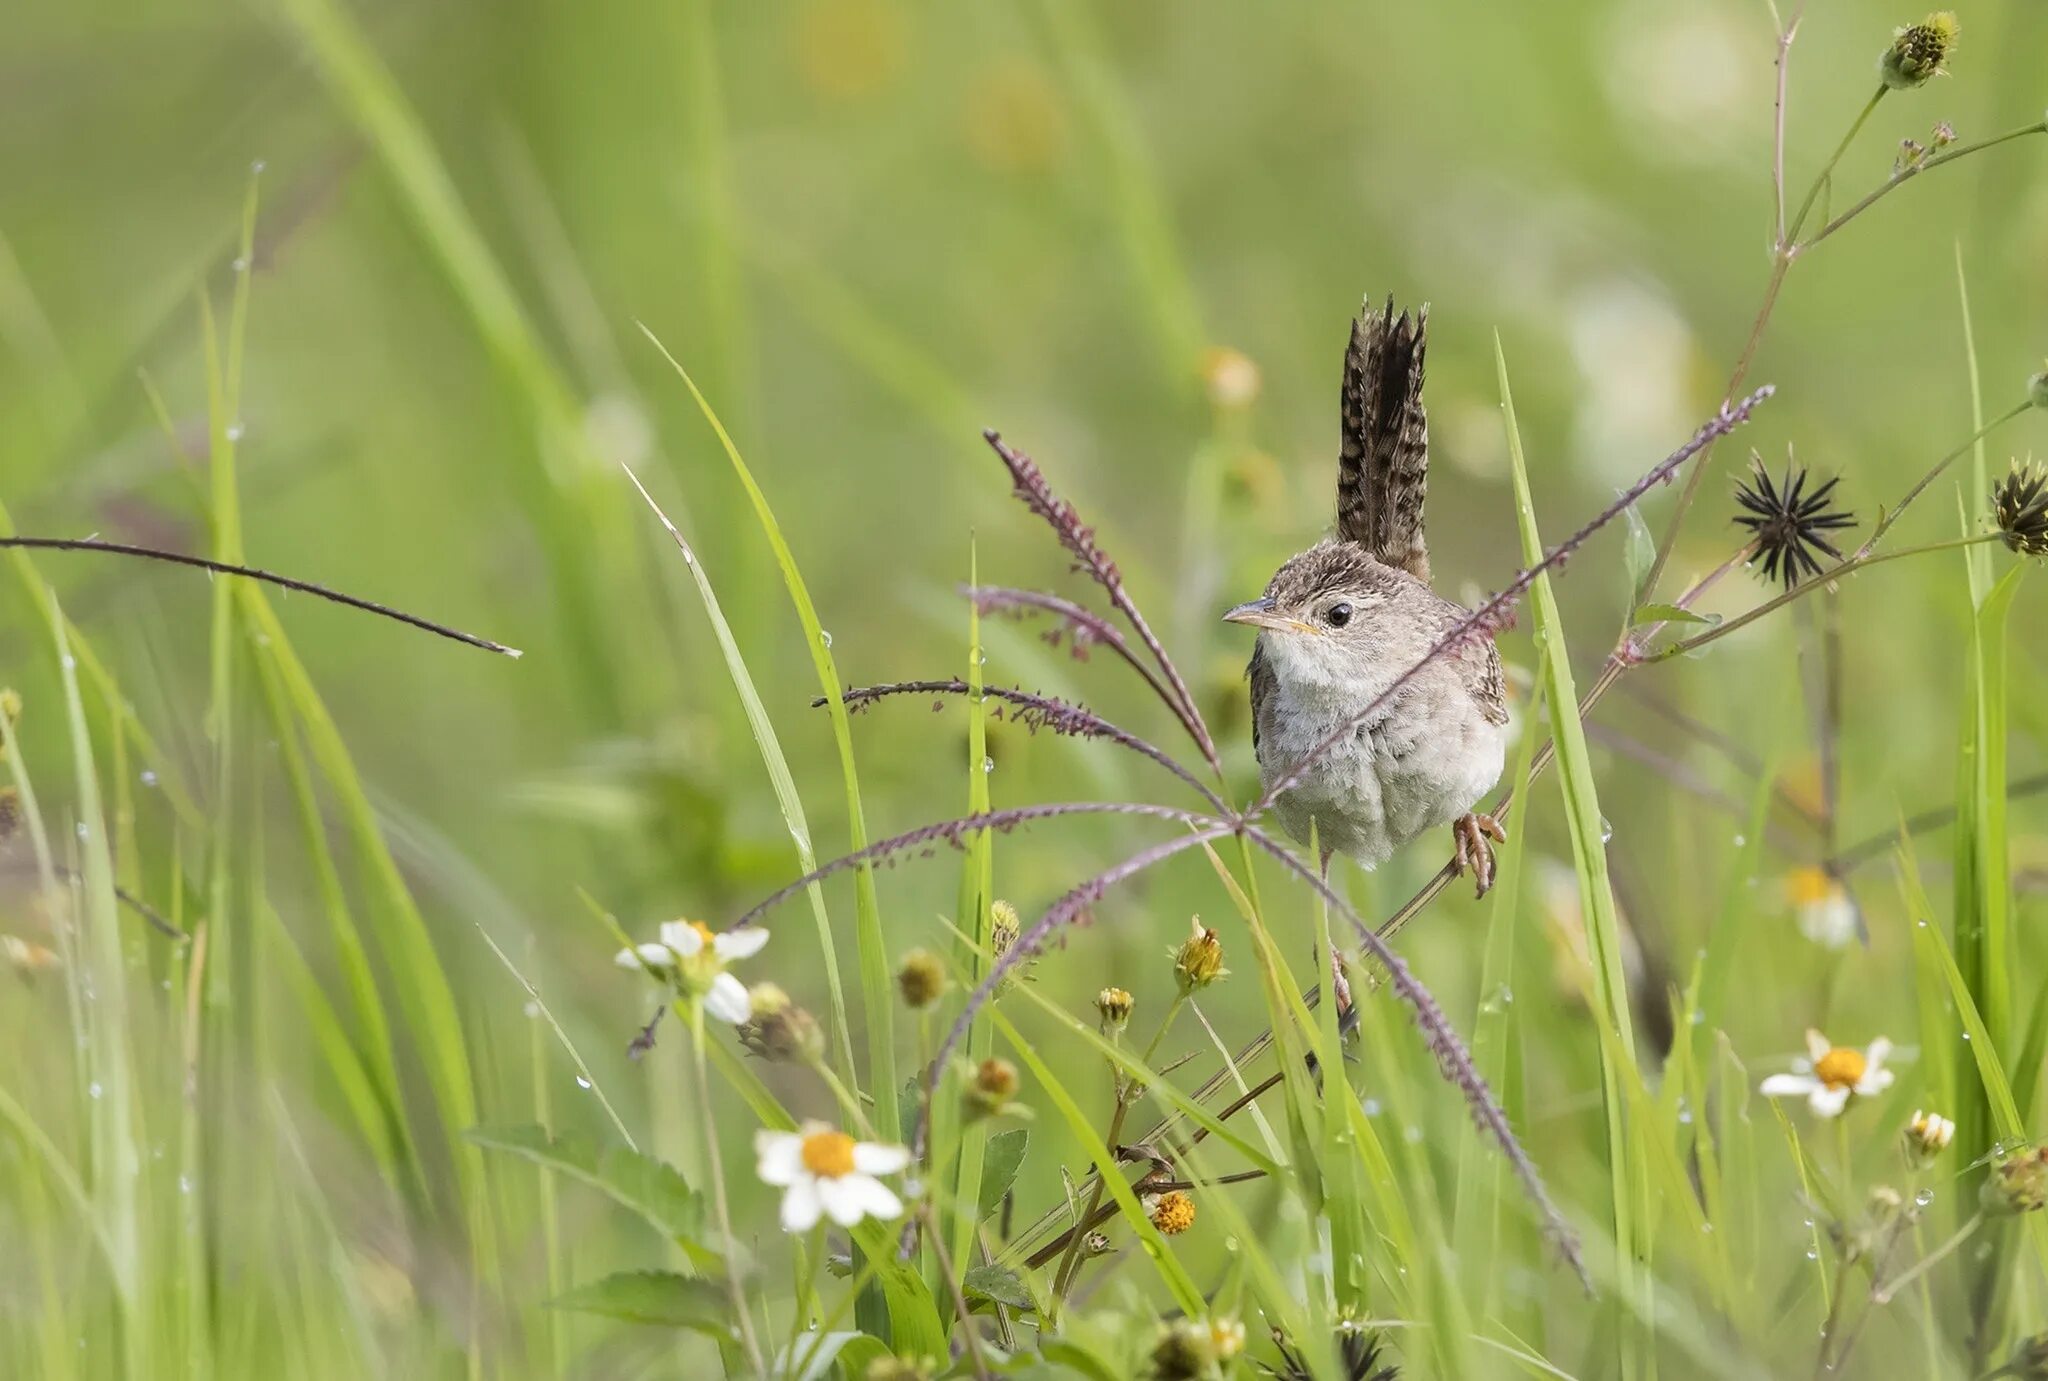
{"x": 870, "y": 228}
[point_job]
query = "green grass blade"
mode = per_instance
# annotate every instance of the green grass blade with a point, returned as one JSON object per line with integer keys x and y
{"x": 977, "y": 880}
{"x": 877, "y": 992}
{"x": 779, "y": 778}
{"x": 1596, "y": 898}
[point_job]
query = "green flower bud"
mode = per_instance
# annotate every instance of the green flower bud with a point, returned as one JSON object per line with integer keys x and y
{"x": 1919, "y": 52}
{"x": 921, "y": 979}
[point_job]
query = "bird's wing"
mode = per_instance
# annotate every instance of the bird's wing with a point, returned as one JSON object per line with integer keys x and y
{"x": 1491, "y": 690}
{"x": 1383, "y": 460}
{"x": 1262, "y": 679}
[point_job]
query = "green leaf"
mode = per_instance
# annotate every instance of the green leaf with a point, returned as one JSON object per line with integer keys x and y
{"x": 998, "y": 1284}
{"x": 648, "y": 1187}
{"x": 1669, "y": 613}
{"x": 812, "y": 1356}
{"x": 999, "y": 1168}
{"x": 1640, "y": 553}
{"x": 656, "y": 1297}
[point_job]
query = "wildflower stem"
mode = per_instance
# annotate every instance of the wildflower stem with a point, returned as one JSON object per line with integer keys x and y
{"x": 1908, "y": 173}
{"x": 1827, "y": 170}
{"x": 1855, "y": 563}
{"x": 742, "y": 1321}
{"x": 1786, "y": 35}
{"x": 1883, "y": 1294}
{"x": 1885, "y": 521}
{"x": 934, "y": 1235}
{"x": 1128, "y": 1091}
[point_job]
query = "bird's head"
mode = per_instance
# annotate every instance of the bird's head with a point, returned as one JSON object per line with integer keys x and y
{"x": 1333, "y": 610}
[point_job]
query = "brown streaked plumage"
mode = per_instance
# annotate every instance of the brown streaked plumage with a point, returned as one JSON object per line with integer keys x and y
{"x": 1383, "y": 455}
{"x": 1341, "y": 623}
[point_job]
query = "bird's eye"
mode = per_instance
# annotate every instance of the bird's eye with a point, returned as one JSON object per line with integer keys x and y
{"x": 1337, "y": 615}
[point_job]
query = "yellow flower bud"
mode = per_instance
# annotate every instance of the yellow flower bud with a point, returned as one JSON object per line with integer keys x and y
{"x": 1114, "y": 1005}
{"x": 1172, "y": 1212}
{"x": 2018, "y": 1183}
{"x": 1199, "y": 960}
{"x": 779, "y": 1031}
{"x": 1927, "y": 1136}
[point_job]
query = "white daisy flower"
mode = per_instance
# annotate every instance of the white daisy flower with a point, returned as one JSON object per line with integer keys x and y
{"x": 1831, "y": 1073}
{"x": 1825, "y": 911}
{"x": 822, "y": 1170}
{"x": 691, "y": 955}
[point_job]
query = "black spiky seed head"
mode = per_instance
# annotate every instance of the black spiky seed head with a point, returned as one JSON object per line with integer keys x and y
{"x": 1360, "y": 1355}
{"x": 1790, "y": 525}
{"x": 1919, "y": 52}
{"x": 2019, "y": 505}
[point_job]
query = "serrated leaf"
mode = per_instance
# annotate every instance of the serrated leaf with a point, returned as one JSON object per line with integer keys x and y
{"x": 649, "y": 1187}
{"x": 999, "y": 1284}
{"x": 1669, "y": 613}
{"x": 999, "y": 1167}
{"x": 663, "y": 1298}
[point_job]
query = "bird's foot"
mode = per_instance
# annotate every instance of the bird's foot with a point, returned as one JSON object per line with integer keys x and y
{"x": 1472, "y": 831}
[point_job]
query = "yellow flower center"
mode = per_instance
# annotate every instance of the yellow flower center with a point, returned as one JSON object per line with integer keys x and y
{"x": 1841, "y": 1068}
{"x": 828, "y": 1155}
{"x": 1810, "y": 886}
{"x": 1173, "y": 1212}
{"x": 703, "y": 932}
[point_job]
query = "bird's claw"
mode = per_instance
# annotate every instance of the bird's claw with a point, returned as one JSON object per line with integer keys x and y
{"x": 1472, "y": 833}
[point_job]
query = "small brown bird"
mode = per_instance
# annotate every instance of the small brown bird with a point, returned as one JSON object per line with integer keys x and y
{"x": 1342, "y": 621}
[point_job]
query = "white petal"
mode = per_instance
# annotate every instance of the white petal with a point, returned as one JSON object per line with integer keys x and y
{"x": 644, "y": 957}
{"x": 1817, "y": 1045}
{"x": 1828, "y": 1102}
{"x": 727, "y": 1000}
{"x": 1874, "y": 1081}
{"x": 682, "y": 937}
{"x": 778, "y": 1156}
{"x": 1789, "y": 1086}
{"x": 1875, "y": 1055}
{"x": 743, "y": 943}
{"x": 877, "y": 1200}
{"x": 800, "y": 1206}
{"x": 843, "y": 1199}
{"x": 871, "y": 1159}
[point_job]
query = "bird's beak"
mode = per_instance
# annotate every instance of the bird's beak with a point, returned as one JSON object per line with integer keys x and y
{"x": 1260, "y": 613}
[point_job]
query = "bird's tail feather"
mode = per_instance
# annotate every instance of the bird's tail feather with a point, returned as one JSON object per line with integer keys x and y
{"x": 1383, "y": 465}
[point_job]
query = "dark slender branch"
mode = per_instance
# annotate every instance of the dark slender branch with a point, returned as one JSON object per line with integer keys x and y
{"x": 1079, "y": 539}
{"x": 368, "y": 606}
{"x": 1451, "y": 1055}
{"x": 1878, "y": 845}
{"x": 1034, "y": 712}
{"x": 1494, "y": 614}
{"x": 955, "y": 832}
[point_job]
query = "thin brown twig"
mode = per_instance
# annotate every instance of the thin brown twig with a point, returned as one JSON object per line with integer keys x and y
{"x": 368, "y": 606}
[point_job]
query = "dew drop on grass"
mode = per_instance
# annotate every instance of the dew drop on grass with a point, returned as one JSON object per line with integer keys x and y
{"x": 825, "y": 636}
{"x": 988, "y": 764}
{"x": 234, "y": 432}
{"x": 1924, "y": 1198}
{"x": 184, "y": 1184}
{"x": 582, "y": 1082}
{"x": 1813, "y": 1253}
{"x": 1372, "y": 1107}
{"x": 149, "y": 776}
{"x": 241, "y": 264}
{"x": 1740, "y": 841}
{"x": 94, "y": 1088}
{"x": 1606, "y": 829}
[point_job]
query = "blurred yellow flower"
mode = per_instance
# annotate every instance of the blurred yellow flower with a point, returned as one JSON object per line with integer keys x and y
{"x": 846, "y": 49}
{"x": 1013, "y": 122}
{"x": 1822, "y": 906}
{"x": 1231, "y": 377}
